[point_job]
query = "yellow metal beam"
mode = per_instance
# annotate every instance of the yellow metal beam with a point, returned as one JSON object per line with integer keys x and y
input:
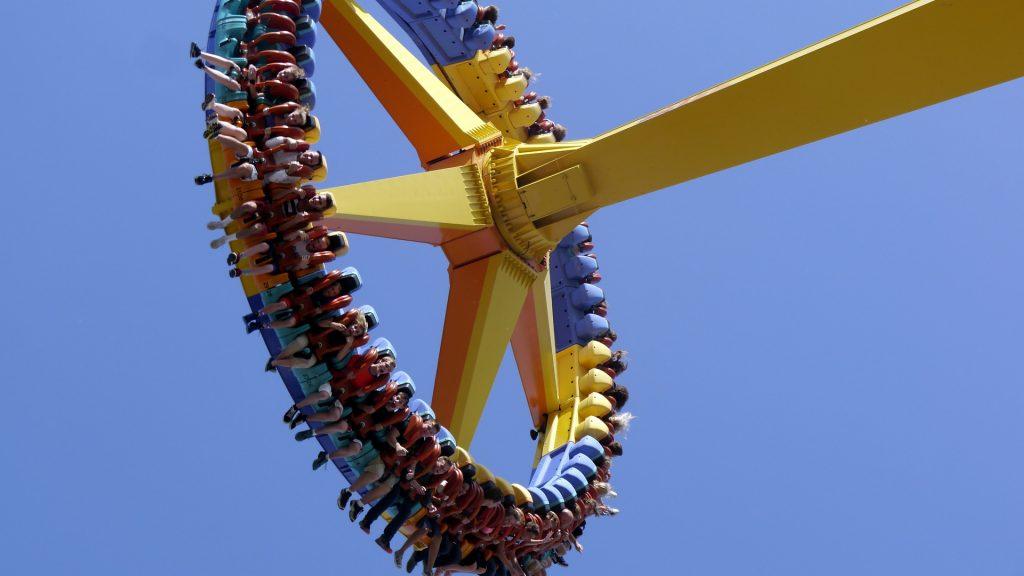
{"x": 484, "y": 301}
{"x": 921, "y": 54}
{"x": 533, "y": 343}
{"x": 430, "y": 207}
{"x": 434, "y": 120}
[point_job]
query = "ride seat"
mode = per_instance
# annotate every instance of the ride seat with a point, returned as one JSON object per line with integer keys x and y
{"x": 512, "y": 88}
{"x": 463, "y": 15}
{"x": 593, "y": 354}
{"x": 595, "y": 404}
{"x": 523, "y": 116}
{"x": 595, "y": 380}
{"x": 591, "y": 326}
{"x": 305, "y": 32}
{"x": 586, "y": 296}
{"x": 593, "y": 427}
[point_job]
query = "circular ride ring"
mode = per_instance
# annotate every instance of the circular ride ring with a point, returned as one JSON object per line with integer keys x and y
{"x": 531, "y": 285}
{"x": 504, "y": 197}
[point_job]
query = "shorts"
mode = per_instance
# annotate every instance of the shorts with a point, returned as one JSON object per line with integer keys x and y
{"x": 248, "y": 152}
{"x": 251, "y": 175}
{"x": 376, "y": 468}
{"x": 325, "y": 388}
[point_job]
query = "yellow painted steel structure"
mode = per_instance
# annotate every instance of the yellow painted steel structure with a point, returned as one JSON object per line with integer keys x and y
{"x": 497, "y": 205}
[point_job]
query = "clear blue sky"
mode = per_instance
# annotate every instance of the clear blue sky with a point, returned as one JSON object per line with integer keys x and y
{"x": 826, "y": 344}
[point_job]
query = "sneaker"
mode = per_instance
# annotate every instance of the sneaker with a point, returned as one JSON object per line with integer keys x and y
{"x": 208, "y": 101}
{"x": 534, "y": 434}
{"x": 343, "y": 496}
{"x": 252, "y": 326}
{"x": 232, "y": 258}
{"x": 234, "y": 273}
{"x": 321, "y": 459}
{"x": 299, "y": 419}
{"x": 204, "y": 179}
{"x": 354, "y": 510}
{"x": 303, "y": 435}
{"x": 291, "y": 413}
{"x": 269, "y": 366}
{"x": 398, "y": 559}
{"x": 383, "y": 544}
{"x": 193, "y": 50}
{"x": 199, "y": 64}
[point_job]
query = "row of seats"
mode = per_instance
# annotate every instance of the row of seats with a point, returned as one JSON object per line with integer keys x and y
{"x": 358, "y": 406}
{"x": 580, "y": 318}
{"x": 456, "y": 34}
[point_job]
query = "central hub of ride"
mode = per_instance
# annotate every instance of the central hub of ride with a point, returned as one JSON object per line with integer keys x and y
{"x": 532, "y": 215}
{"x": 511, "y": 216}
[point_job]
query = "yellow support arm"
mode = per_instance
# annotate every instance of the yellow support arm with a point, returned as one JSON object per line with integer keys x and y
{"x": 918, "y": 55}
{"x": 434, "y": 120}
{"x": 430, "y": 207}
{"x": 484, "y": 300}
{"x": 533, "y": 343}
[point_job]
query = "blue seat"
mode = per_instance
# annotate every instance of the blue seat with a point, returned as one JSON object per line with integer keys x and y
{"x": 588, "y": 447}
{"x": 305, "y": 58}
{"x": 438, "y": 5}
{"x": 479, "y": 37}
{"x": 553, "y": 495}
{"x": 372, "y": 320}
{"x": 305, "y": 31}
{"x": 583, "y": 464}
{"x": 312, "y": 8}
{"x": 579, "y": 267}
{"x": 422, "y": 408}
{"x": 307, "y": 92}
{"x": 590, "y": 327}
{"x": 543, "y": 470}
{"x": 461, "y": 16}
{"x": 579, "y": 234}
{"x": 565, "y": 489}
{"x": 403, "y": 381}
{"x": 576, "y": 478}
{"x": 444, "y": 437}
{"x": 541, "y": 501}
{"x": 586, "y": 296}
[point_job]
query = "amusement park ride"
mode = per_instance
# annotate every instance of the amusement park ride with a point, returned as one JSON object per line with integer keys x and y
{"x": 506, "y": 209}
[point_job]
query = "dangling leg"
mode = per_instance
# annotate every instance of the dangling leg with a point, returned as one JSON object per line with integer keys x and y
{"x": 220, "y": 77}
{"x": 221, "y": 127}
{"x": 373, "y": 471}
{"x": 240, "y": 235}
{"x": 241, "y": 149}
{"x": 321, "y": 394}
{"x": 295, "y": 345}
{"x": 339, "y": 427}
{"x": 412, "y": 539}
{"x": 229, "y": 112}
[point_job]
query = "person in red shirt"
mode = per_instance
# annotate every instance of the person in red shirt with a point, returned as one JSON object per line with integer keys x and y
{"x": 336, "y": 336}
{"x": 302, "y": 304}
{"x": 380, "y": 417}
{"x": 372, "y": 371}
{"x": 260, "y": 218}
{"x": 299, "y": 251}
